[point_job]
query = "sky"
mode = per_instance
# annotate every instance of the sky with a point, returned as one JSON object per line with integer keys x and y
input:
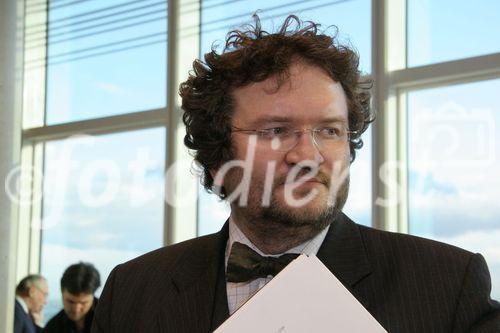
{"x": 102, "y": 203}
{"x": 108, "y": 58}
{"x": 454, "y": 168}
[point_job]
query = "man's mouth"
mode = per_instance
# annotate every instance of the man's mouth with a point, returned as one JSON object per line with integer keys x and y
{"x": 304, "y": 181}
{"x": 320, "y": 179}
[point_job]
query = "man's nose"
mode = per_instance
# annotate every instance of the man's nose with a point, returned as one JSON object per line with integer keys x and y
{"x": 305, "y": 149}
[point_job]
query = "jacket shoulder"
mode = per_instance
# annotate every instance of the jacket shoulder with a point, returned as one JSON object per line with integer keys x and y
{"x": 166, "y": 258}
{"x": 405, "y": 255}
{"x": 137, "y": 289}
{"x": 433, "y": 275}
{"x": 404, "y": 245}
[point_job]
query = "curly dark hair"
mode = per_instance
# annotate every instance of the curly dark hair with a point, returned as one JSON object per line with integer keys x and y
{"x": 253, "y": 55}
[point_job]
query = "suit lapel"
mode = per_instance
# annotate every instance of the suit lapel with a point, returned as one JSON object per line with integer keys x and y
{"x": 343, "y": 252}
{"x": 200, "y": 304}
{"x": 28, "y": 321}
{"x": 196, "y": 280}
{"x": 221, "y": 309}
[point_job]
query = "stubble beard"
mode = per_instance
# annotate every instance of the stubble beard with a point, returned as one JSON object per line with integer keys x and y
{"x": 278, "y": 227}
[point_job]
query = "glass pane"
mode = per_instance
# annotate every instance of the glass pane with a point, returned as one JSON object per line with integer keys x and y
{"x": 219, "y": 17}
{"x": 105, "y": 58}
{"x": 212, "y": 212}
{"x": 454, "y": 168}
{"x": 359, "y": 202}
{"x": 102, "y": 203}
{"x": 448, "y": 30}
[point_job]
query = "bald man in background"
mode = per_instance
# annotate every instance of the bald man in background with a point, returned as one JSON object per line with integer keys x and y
{"x": 31, "y": 297}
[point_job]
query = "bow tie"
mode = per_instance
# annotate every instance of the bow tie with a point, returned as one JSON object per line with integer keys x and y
{"x": 244, "y": 264}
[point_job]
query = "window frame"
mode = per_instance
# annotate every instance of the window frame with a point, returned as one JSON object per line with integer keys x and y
{"x": 393, "y": 80}
{"x": 178, "y": 224}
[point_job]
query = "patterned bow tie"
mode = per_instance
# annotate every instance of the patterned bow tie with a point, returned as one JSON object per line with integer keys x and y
{"x": 244, "y": 264}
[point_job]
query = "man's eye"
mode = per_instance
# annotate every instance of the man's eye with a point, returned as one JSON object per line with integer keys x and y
{"x": 275, "y": 132}
{"x": 330, "y": 132}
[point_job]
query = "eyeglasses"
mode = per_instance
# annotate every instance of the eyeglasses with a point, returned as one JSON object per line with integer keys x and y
{"x": 285, "y": 138}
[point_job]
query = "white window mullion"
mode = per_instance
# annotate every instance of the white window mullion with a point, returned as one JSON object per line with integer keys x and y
{"x": 98, "y": 126}
{"x": 479, "y": 68}
{"x": 389, "y": 54}
{"x": 11, "y": 59}
{"x": 29, "y": 230}
{"x": 181, "y": 185}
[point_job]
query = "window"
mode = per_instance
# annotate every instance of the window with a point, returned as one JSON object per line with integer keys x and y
{"x": 104, "y": 58}
{"x": 454, "y": 168}
{"x": 86, "y": 61}
{"x": 359, "y": 202}
{"x": 448, "y": 30}
{"x": 102, "y": 203}
{"x": 452, "y": 124}
{"x": 219, "y": 17}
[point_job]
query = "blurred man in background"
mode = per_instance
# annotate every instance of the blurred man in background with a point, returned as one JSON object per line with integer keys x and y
{"x": 78, "y": 285}
{"x": 31, "y": 296}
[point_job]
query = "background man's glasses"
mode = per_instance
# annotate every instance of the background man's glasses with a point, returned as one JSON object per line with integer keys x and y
{"x": 286, "y": 138}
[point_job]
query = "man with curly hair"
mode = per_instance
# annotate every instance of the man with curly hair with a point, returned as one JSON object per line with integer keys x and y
{"x": 274, "y": 122}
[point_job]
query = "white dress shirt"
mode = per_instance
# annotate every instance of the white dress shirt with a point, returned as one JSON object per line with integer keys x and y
{"x": 239, "y": 292}
{"x": 23, "y": 304}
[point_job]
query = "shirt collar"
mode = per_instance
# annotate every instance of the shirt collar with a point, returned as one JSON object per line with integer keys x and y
{"x": 309, "y": 247}
{"x": 23, "y": 303}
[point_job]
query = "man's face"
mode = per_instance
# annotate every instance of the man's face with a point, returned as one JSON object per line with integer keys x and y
{"x": 308, "y": 99}
{"x": 38, "y": 296}
{"x": 77, "y": 306}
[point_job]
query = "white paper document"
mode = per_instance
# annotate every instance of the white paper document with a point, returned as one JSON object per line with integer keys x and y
{"x": 304, "y": 297}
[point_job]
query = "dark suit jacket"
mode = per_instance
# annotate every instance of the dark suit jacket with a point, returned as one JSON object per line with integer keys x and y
{"x": 23, "y": 322}
{"x": 407, "y": 283}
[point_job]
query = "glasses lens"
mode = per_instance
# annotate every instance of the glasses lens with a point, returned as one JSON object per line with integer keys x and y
{"x": 283, "y": 143}
{"x": 322, "y": 140}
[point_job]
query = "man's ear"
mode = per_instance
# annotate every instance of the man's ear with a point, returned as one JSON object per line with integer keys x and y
{"x": 31, "y": 291}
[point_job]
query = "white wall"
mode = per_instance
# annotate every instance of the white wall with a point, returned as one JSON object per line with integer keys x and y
{"x": 11, "y": 26}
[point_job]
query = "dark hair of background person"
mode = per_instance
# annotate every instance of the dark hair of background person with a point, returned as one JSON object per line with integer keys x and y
{"x": 26, "y": 283}
{"x": 253, "y": 55}
{"x": 81, "y": 278}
